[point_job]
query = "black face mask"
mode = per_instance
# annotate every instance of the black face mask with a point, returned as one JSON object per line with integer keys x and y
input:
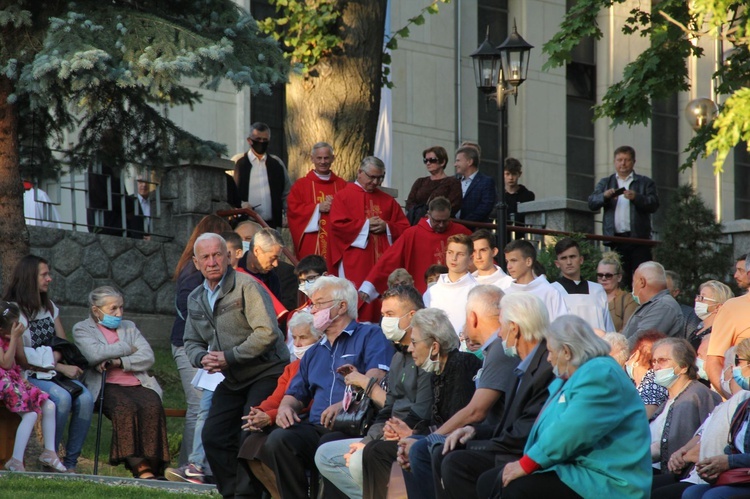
{"x": 259, "y": 147}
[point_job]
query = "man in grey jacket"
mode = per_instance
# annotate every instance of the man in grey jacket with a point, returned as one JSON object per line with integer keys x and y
{"x": 231, "y": 328}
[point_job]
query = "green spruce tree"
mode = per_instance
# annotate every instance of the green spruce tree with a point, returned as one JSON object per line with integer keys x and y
{"x": 692, "y": 242}
{"x": 109, "y": 71}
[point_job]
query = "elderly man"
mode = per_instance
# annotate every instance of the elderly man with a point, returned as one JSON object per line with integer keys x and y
{"x": 309, "y": 204}
{"x": 365, "y": 222}
{"x": 246, "y": 231}
{"x": 262, "y": 180}
{"x": 231, "y": 328}
{"x": 290, "y": 449}
{"x": 628, "y": 200}
{"x": 419, "y": 247}
{"x": 524, "y": 321}
{"x": 262, "y": 258}
{"x": 657, "y": 309}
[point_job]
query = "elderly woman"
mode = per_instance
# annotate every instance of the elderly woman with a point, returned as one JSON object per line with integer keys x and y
{"x": 711, "y": 296}
{"x": 621, "y": 303}
{"x": 619, "y": 348}
{"x": 436, "y": 184}
{"x": 262, "y": 419}
{"x": 688, "y": 404}
{"x": 591, "y": 438}
{"x": 434, "y": 348}
{"x": 638, "y": 367}
{"x": 132, "y": 398}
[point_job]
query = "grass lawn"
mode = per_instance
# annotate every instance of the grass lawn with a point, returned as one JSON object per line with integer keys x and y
{"x": 30, "y": 487}
{"x": 165, "y": 371}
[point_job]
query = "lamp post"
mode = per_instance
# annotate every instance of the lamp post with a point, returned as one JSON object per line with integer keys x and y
{"x": 498, "y": 72}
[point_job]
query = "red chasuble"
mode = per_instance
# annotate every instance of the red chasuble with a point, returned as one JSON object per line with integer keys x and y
{"x": 351, "y": 209}
{"x": 417, "y": 249}
{"x": 302, "y": 203}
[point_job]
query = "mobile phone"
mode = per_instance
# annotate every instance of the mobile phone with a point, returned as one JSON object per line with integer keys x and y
{"x": 619, "y": 191}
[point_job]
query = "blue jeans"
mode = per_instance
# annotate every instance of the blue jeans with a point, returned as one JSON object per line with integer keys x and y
{"x": 419, "y": 481}
{"x": 329, "y": 459}
{"x": 720, "y": 492}
{"x": 198, "y": 456}
{"x": 192, "y": 398}
{"x": 82, "y": 412}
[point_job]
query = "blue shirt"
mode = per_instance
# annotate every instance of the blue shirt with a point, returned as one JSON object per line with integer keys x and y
{"x": 362, "y": 345}
{"x": 213, "y": 295}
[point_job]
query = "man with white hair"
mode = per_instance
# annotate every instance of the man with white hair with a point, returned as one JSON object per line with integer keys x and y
{"x": 657, "y": 309}
{"x": 231, "y": 328}
{"x": 524, "y": 321}
{"x": 262, "y": 258}
{"x": 309, "y": 204}
{"x": 290, "y": 449}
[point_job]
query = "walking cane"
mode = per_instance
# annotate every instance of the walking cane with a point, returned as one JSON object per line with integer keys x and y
{"x": 99, "y": 424}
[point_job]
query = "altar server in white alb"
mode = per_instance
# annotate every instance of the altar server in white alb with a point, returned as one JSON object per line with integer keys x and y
{"x": 586, "y": 299}
{"x": 520, "y": 256}
{"x": 451, "y": 292}
{"x": 484, "y": 254}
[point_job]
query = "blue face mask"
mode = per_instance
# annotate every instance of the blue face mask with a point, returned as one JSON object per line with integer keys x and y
{"x": 245, "y": 247}
{"x": 699, "y": 363}
{"x": 740, "y": 379}
{"x": 110, "y": 321}
{"x": 636, "y": 299}
{"x": 510, "y": 351}
{"x": 665, "y": 377}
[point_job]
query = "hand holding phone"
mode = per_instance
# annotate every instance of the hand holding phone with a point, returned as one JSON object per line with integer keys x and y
{"x": 619, "y": 191}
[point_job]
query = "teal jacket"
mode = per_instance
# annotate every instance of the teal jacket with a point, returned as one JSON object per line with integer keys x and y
{"x": 594, "y": 433}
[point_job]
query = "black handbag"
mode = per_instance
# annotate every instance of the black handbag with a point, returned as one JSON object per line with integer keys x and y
{"x": 67, "y": 384}
{"x": 358, "y": 412}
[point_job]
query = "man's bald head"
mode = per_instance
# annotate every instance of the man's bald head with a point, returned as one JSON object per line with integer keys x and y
{"x": 247, "y": 229}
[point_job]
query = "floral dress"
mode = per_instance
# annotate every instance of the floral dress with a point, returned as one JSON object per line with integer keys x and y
{"x": 17, "y": 394}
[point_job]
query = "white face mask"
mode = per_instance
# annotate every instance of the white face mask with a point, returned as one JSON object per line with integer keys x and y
{"x": 431, "y": 366}
{"x": 701, "y": 310}
{"x": 390, "y": 328}
{"x": 305, "y": 288}
{"x": 299, "y": 352}
{"x": 245, "y": 247}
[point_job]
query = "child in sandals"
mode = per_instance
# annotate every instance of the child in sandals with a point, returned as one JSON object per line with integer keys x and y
{"x": 19, "y": 396}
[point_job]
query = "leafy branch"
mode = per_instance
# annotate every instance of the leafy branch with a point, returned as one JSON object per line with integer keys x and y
{"x": 403, "y": 33}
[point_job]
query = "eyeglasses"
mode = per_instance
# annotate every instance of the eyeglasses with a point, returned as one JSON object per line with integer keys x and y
{"x": 429, "y": 160}
{"x": 660, "y": 362}
{"x": 316, "y": 306}
{"x": 309, "y": 279}
{"x": 607, "y": 276}
{"x": 375, "y": 178}
{"x": 737, "y": 361}
{"x": 414, "y": 342}
{"x": 701, "y": 298}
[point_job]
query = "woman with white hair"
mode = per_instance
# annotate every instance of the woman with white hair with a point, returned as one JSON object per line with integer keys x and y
{"x": 434, "y": 348}
{"x": 710, "y": 298}
{"x": 132, "y": 398}
{"x": 261, "y": 419}
{"x": 591, "y": 439}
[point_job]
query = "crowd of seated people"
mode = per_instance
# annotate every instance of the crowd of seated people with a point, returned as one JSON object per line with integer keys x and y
{"x": 514, "y": 404}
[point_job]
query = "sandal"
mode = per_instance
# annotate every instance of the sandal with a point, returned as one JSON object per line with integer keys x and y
{"x": 49, "y": 459}
{"x": 146, "y": 474}
{"x": 14, "y": 465}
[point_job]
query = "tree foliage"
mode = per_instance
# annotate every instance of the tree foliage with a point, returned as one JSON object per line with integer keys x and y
{"x": 94, "y": 67}
{"x": 672, "y": 27}
{"x": 692, "y": 242}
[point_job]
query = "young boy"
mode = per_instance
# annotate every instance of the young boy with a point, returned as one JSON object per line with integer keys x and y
{"x": 520, "y": 256}
{"x": 586, "y": 299}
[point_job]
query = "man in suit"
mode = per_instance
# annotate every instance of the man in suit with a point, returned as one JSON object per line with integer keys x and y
{"x": 628, "y": 200}
{"x": 479, "y": 195}
{"x": 472, "y": 456}
{"x": 262, "y": 180}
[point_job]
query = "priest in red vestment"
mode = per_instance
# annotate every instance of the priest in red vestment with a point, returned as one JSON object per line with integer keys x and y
{"x": 309, "y": 205}
{"x": 416, "y": 250}
{"x": 365, "y": 221}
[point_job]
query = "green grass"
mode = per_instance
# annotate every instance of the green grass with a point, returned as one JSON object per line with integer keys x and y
{"x": 29, "y": 487}
{"x": 165, "y": 371}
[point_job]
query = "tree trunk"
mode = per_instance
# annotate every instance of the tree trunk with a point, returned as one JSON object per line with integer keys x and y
{"x": 14, "y": 237}
{"x": 339, "y": 101}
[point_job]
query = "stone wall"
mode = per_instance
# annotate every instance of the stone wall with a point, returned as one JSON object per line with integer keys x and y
{"x": 142, "y": 270}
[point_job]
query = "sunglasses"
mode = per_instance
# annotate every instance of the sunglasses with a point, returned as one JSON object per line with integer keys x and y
{"x": 605, "y": 276}
{"x": 430, "y": 160}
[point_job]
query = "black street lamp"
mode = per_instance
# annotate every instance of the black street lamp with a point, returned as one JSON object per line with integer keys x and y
{"x": 498, "y": 72}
